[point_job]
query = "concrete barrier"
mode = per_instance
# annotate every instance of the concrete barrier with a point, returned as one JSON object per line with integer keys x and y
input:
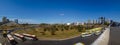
{"x": 103, "y": 38}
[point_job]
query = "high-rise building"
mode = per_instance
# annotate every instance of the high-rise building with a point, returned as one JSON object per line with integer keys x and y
{"x": 94, "y": 22}
{"x": 89, "y": 22}
{"x": 8, "y": 20}
{"x": 4, "y": 19}
{"x": 108, "y": 20}
{"x": 102, "y": 20}
{"x": 16, "y": 20}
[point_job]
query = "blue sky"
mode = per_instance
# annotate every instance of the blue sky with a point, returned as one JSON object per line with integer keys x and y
{"x": 59, "y": 11}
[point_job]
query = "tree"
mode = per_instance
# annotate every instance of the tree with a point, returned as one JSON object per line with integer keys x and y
{"x": 62, "y": 27}
{"x": 79, "y": 28}
{"x": 44, "y": 30}
{"x": 66, "y": 27}
{"x": 53, "y": 30}
{"x": 106, "y": 23}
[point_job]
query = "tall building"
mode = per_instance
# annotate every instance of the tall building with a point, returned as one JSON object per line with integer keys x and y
{"x": 89, "y": 22}
{"x": 16, "y": 20}
{"x": 93, "y": 22}
{"x": 4, "y": 19}
{"x": 8, "y": 20}
{"x": 102, "y": 20}
{"x": 108, "y": 20}
{"x": 96, "y": 21}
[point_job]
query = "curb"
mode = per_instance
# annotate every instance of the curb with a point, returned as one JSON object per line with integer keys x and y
{"x": 103, "y": 38}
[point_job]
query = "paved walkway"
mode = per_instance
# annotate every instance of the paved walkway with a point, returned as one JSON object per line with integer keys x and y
{"x": 114, "y": 36}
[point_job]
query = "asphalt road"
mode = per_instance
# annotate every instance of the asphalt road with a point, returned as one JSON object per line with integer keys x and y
{"x": 86, "y": 41}
{"x": 114, "y": 36}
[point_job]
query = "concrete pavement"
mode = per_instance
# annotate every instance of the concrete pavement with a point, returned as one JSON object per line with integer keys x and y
{"x": 103, "y": 39}
{"x": 114, "y": 36}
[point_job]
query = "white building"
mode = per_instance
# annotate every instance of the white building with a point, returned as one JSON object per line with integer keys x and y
{"x": 82, "y": 23}
{"x": 77, "y": 23}
{"x": 68, "y": 23}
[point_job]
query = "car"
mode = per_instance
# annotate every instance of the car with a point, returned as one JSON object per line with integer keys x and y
{"x": 90, "y": 32}
{"x": 85, "y": 34}
{"x": 98, "y": 32}
{"x": 79, "y": 43}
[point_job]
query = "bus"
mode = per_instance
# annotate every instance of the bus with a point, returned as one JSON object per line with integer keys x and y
{"x": 29, "y": 36}
{"x": 11, "y": 39}
{"x": 19, "y": 36}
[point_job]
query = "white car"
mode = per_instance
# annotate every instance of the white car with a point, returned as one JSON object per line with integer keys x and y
{"x": 85, "y": 34}
{"x": 79, "y": 43}
{"x": 98, "y": 32}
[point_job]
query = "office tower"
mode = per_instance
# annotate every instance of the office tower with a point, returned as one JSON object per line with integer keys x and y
{"x": 16, "y": 20}
{"x": 4, "y": 19}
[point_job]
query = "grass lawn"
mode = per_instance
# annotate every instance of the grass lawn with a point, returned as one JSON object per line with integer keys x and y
{"x": 58, "y": 34}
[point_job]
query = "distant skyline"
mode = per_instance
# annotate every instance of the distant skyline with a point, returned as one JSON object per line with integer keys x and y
{"x": 59, "y": 11}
